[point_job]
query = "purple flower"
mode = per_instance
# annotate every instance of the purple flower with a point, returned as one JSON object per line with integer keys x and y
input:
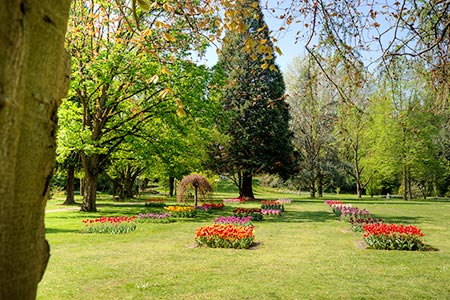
{"x": 242, "y": 221}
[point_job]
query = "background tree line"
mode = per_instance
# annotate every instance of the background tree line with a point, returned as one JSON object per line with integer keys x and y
{"x": 352, "y": 129}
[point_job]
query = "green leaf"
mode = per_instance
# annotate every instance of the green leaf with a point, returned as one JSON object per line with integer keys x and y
{"x": 144, "y": 4}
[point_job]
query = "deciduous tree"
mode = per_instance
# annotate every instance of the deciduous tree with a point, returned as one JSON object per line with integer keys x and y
{"x": 313, "y": 108}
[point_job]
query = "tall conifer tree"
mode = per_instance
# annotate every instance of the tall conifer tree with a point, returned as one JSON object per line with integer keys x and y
{"x": 254, "y": 99}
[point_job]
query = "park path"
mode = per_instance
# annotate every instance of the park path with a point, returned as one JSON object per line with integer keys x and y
{"x": 78, "y": 207}
{"x": 62, "y": 209}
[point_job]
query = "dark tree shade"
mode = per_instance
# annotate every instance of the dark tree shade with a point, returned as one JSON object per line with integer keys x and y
{"x": 254, "y": 99}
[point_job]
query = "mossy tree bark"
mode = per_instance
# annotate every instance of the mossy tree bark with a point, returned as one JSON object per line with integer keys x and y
{"x": 33, "y": 78}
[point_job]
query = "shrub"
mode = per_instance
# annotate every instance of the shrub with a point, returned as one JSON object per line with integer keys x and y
{"x": 393, "y": 237}
{"x": 199, "y": 184}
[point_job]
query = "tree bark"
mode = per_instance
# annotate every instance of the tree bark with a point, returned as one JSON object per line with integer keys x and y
{"x": 34, "y": 77}
{"x": 91, "y": 170}
{"x": 409, "y": 184}
{"x": 171, "y": 186}
{"x": 81, "y": 186}
{"x": 357, "y": 171}
{"x": 320, "y": 184}
{"x": 312, "y": 189}
{"x": 247, "y": 186}
{"x": 404, "y": 183}
{"x": 70, "y": 189}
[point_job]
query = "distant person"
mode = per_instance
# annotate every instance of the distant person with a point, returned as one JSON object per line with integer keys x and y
{"x": 388, "y": 196}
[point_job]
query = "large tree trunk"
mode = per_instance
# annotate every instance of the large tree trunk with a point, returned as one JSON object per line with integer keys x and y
{"x": 171, "y": 186}
{"x": 70, "y": 188}
{"x": 320, "y": 184}
{"x": 247, "y": 186}
{"x": 404, "y": 183}
{"x": 410, "y": 194}
{"x": 357, "y": 172}
{"x": 127, "y": 182}
{"x": 91, "y": 170}
{"x": 33, "y": 79}
{"x": 312, "y": 189}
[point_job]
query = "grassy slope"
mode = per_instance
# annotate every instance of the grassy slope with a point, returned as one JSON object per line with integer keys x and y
{"x": 305, "y": 254}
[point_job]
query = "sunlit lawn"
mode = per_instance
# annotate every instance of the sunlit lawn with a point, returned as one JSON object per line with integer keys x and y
{"x": 304, "y": 254}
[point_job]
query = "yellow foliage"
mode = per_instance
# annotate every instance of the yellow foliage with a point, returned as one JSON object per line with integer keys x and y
{"x": 278, "y": 50}
{"x": 144, "y": 4}
{"x": 164, "y": 92}
{"x": 168, "y": 37}
{"x": 154, "y": 79}
{"x": 165, "y": 71}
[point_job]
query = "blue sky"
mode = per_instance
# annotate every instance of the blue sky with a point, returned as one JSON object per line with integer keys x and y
{"x": 287, "y": 38}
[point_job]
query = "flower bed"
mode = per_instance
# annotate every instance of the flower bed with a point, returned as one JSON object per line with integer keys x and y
{"x": 218, "y": 206}
{"x": 162, "y": 217}
{"x": 112, "y": 225}
{"x": 377, "y": 234}
{"x": 203, "y": 208}
{"x": 285, "y": 201}
{"x": 225, "y": 236}
{"x": 332, "y": 202}
{"x": 353, "y": 212}
{"x": 179, "y": 211}
{"x": 238, "y": 221}
{"x": 272, "y": 205}
{"x": 337, "y": 208}
{"x": 255, "y": 213}
{"x": 393, "y": 237}
{"x": 357, "y": 223}
{"x": 271, "y": 212}
{"x": 234, "y": 200}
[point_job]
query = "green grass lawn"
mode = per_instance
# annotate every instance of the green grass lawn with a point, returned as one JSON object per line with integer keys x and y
{"x": 304, "y": 254}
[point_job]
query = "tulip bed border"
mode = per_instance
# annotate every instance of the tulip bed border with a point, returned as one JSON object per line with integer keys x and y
{"x": 235, "y": 231}
{"x": 376, "y": 233}
{"x": 228, "y": 232}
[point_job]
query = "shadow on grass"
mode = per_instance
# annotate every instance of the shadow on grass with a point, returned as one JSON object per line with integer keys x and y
{"x": 402, "y": 220}
{"x": 302, "y": 216}
{"x": 396, "y": 201}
